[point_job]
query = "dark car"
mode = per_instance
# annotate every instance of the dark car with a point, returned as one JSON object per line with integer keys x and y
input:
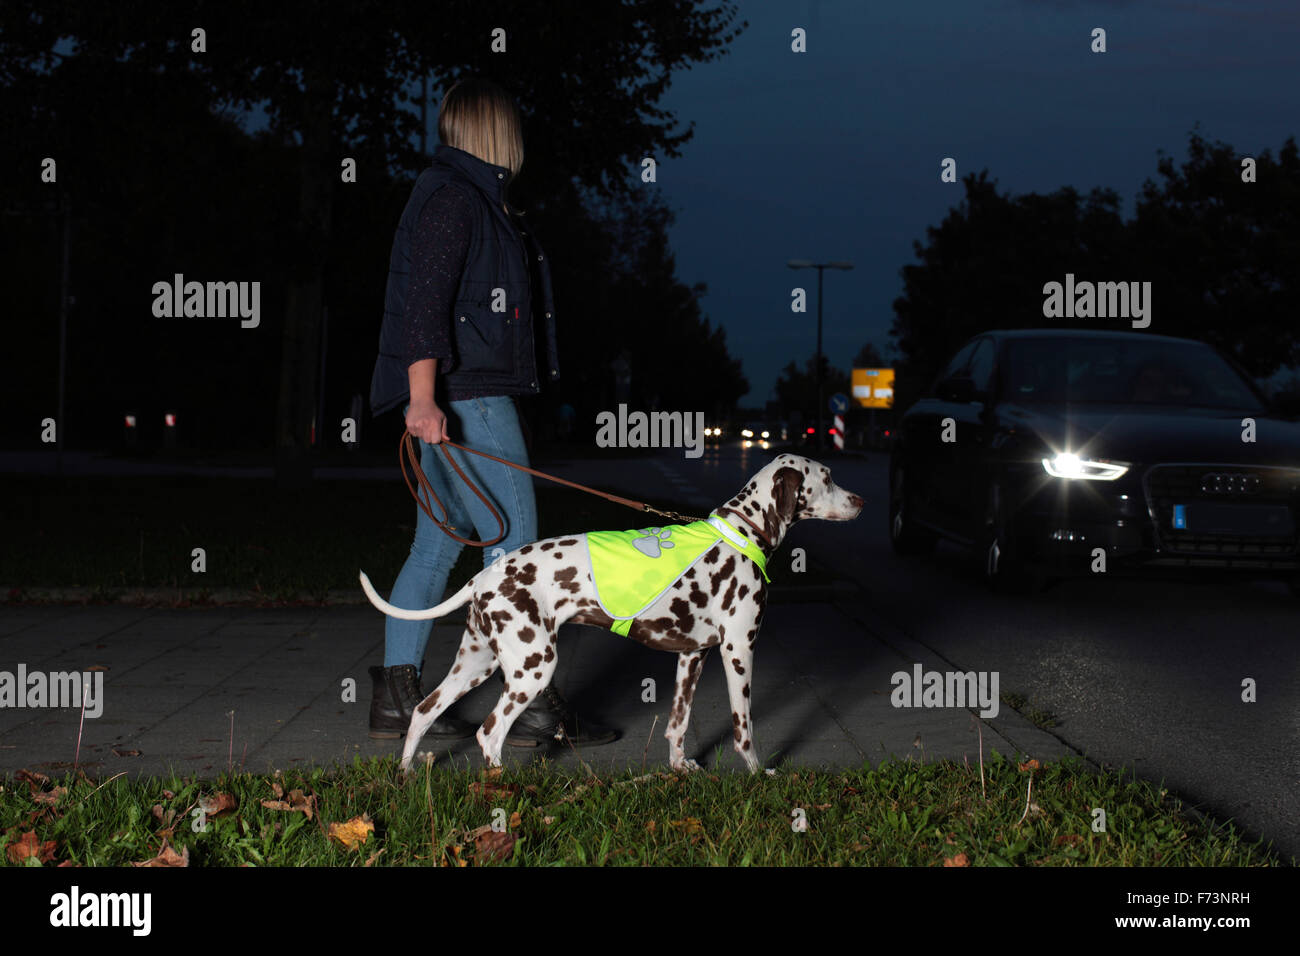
{"x": 1038, "y": 447}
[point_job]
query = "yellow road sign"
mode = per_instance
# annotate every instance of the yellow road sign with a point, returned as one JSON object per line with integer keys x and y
{"x": 874, "y": 387}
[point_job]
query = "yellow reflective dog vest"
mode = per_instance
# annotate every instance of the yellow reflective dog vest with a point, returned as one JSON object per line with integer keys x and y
{"x": 632, "y": 569}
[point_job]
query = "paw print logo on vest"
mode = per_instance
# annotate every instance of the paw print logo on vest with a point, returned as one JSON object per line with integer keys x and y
{"x": 655, "y": 538}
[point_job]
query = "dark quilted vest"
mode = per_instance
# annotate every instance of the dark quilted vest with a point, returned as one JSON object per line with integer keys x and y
{"x": 492, "y": 335}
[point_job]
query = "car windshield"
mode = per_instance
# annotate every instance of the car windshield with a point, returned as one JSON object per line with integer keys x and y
{"x": 1128, "y": 372}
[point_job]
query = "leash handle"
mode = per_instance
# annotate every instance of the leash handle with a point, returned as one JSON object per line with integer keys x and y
{"x": 406, "y": 449}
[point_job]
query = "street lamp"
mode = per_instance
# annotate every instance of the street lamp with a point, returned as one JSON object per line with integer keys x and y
{"x": 819, "y": 266}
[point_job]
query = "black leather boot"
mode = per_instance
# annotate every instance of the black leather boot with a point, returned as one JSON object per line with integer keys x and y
{"x": 396, "y": 694}
{"x": 550, "y": 719}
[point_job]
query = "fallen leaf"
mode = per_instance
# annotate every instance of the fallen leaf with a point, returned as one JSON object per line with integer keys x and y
{"x": 515, "y": 821}
{"x": 353, "y": 833}
{"x": 51, "y": 797}
{"x": 168, "y": 795}
{"x": 958, "y": 860}
{"x": 488, "y": 792}
{"x": 494, "y": 847}
{"x": 1072, "y": 839}
{"x": 690, "y": 825}
{"x": 36, "y": 781}
{"x": 218, "y": 803}
{"x": 297, "y": 802}
{"x": 370, "y": 860}
{"x": 650, "y": 826}
{"x": 125, "y": 753}
{"x": 167, "y": 857}
{"x": 1029, "y": 765}
{"x": 548, "y": 820}
{"x": 27, "y": 846}
{"x": 279, "y": 790}
{"x": 821, "y": 806}
{"x": 157, "y": 811}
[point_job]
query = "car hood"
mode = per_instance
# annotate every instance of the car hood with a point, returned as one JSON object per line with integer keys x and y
{"x": 1158, "y": 433}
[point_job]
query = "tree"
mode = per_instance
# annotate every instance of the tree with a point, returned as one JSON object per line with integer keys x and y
{"x": 336, "y": 82}
{"x": 796, "y": 389}
{"x": 1222, "y": 254}
{"x": 870, "y": 357}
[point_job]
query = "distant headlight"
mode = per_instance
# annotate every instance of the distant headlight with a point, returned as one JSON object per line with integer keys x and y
{"x": 767, "y": 434}
{"x": 1072, "y": 466}
{"x": 747, "y": 433}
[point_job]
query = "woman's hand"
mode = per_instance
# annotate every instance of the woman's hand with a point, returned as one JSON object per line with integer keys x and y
{"x": 425, "y": 420}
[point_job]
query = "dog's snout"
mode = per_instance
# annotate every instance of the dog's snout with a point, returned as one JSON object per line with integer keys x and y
{"x": 855, "y": 500}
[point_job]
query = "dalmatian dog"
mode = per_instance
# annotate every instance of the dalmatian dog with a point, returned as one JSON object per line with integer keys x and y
{"x": 518, "y": 603}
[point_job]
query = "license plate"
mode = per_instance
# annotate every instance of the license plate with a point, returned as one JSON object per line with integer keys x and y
{"x": 1213, "y": 517}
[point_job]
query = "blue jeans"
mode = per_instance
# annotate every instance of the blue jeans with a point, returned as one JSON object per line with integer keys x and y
{"x": 489, "y": 425}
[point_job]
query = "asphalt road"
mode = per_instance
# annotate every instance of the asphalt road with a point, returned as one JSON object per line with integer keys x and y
{"x": 1144, "y": 674}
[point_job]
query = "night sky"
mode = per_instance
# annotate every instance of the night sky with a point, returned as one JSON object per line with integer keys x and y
{"x": 835, "y": 153}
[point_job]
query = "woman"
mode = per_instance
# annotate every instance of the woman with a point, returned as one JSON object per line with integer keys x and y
{"x": 468, "y": 324}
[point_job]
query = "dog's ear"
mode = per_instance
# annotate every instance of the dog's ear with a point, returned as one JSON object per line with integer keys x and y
{"x": 786, "y": 484}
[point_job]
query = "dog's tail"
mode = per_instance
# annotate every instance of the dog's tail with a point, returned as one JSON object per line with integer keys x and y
{"x": 456, "y": 600}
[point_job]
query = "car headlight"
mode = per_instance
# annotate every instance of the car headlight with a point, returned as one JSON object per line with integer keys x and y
{"x": 747, "y": 433}
{"x": 767, "y": 434}
{"x": 1067, "y": 465}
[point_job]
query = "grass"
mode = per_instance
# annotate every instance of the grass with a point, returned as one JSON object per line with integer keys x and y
{"x": 1040, "y": 717}
{"x": 900, "y": 813}
{"x": 112, "y": 534}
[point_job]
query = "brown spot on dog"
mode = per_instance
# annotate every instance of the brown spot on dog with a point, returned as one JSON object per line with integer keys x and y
{"x": 505, "y": 711}
{"x": 737, "y": 666}
{"x": 745, "y": 691}
{"x": 729, "y": 595}
{"x": 526, "y": 634}
{"x": 685, "y": 620}
{"x": 565, "y": 579}
{"x": 744, "y": 589}
{"x": 550, "y": 653}
{"x": 568, "y": 542}
{"x": 745, "y": 745}
{"x": 531, "y": 661}
{"x": 528, "y": 574}
{"x": 428, "y": 703}
{"x": 723, "y": 573}
{"x": 490, "y": 722}
{"x": 527, "y": 604}
{"x": 501, "y": 618}
{"x": 546, "y": 546}
{"x": 561, "y": 602}
{"x": 526, "y": 549}
{"x": 519, "y": 674}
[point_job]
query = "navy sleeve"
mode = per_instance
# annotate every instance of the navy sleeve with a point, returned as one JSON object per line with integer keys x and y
{"x": 439, "y": 248}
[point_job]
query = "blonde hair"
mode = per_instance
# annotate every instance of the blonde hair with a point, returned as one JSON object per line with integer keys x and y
{"x": 481, "y": 118}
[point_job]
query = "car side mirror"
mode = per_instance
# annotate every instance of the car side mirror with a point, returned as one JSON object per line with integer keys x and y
{"x": 1287, "y": 403}
{"x": 957, "y": 389}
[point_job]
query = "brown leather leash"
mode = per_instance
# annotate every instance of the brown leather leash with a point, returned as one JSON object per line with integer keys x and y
{"x": 406, "y": 451}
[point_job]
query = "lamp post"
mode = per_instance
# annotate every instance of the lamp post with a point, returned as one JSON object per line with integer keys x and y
{"x": 820, "y": 267}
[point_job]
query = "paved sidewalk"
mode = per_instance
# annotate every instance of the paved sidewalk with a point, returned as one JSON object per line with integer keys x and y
{"x": 821, "y": 691}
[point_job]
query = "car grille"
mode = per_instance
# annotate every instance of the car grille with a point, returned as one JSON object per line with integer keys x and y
{"x": 1209, "y": 484}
